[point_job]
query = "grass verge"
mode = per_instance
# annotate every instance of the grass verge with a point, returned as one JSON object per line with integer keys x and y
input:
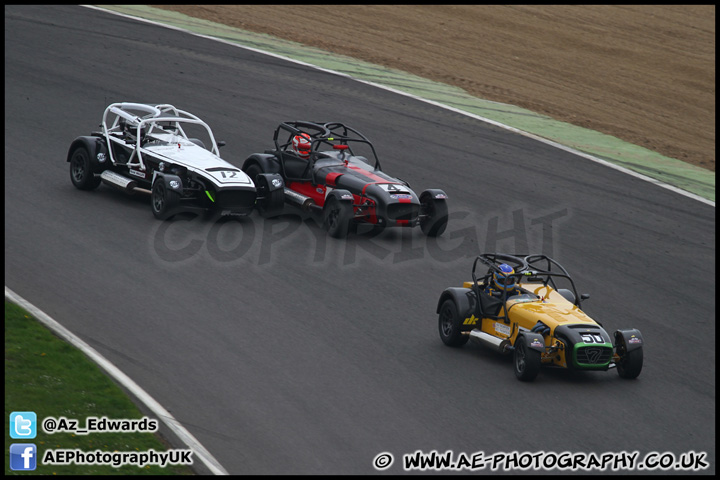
{"x": 46, "y": 375}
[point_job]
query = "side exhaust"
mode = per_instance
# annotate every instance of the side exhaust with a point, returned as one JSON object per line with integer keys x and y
{"x": 116, "y": 180}
{"x": 497, "y": 344}
{"x": 304, "y": 202}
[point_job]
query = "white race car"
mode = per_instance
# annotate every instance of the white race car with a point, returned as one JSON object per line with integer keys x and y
{"x": 145, "y": 149}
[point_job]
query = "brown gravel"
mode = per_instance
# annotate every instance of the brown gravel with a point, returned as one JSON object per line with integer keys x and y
{"x": 645, "y": 74}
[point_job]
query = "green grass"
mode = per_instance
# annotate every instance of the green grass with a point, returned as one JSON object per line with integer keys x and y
{"x": 46, "y": 375}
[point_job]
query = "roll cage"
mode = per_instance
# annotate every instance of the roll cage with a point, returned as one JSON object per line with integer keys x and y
{"x": 161, "y": 123}
{"x": 333, "y": 134}
{"x": 527, "y": 267}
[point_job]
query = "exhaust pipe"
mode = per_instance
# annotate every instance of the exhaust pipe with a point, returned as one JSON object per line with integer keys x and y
{"x": 304, "y": 202}
{"x": 488, "y": 340}
{"x": 116, "y": 180}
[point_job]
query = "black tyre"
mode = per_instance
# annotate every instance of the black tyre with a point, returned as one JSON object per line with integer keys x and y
{"x": 81, "y": 173}
{"x": 526, "y": 361}
{"x": 449, "y": 322}
{"x": 163, "y": 200}
{"x": 630, "y": 364}
{"x": 435, "y": 221}
{"x": 337, "y": 216}
{"x": 253, "y": 171}
{"x": 271, "y": 202}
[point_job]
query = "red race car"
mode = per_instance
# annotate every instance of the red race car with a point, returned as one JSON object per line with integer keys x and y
{"x": 333, "y": 170}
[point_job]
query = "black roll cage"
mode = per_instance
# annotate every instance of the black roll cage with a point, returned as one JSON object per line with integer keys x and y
{"x": 525, "y": 267}
{"x": 330, "y": 134}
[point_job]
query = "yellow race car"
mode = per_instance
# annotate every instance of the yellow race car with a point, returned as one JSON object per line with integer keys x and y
{"x": 518, "y": 306}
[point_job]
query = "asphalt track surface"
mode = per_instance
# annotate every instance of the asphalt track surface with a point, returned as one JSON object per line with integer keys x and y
{"x": 284, "y": 351}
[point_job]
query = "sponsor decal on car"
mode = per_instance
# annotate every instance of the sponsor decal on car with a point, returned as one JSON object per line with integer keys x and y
{"x": 536, "y": 343}
{"x": 401, "y": 197}
{"x": 101, "y": 157}
{"x": 276, "y": 182}
{"x": 634, "y": 340}
{"x": 346, "y": 196}
{"x": 592, "y": 338}
{"x": 174, "y": 184}
{"x": 136, "y": 173}
{"x": 471, "y": 321}
{"x": 441, "y": 196}
{"x": 392, "y": 188}
{"x": 502, "y": 329}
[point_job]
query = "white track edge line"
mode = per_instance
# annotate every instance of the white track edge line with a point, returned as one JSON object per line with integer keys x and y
{"x": 184, "y": 435}
{"x": 447, "y": 107}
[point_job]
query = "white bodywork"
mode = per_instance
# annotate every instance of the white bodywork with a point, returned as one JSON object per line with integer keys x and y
{"x": 168, "y": 142}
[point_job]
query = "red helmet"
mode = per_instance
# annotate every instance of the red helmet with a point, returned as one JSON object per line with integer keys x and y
{"x": 301, "y": 145}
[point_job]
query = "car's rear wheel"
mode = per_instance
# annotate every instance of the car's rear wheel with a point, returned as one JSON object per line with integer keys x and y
{"x": 81, "y": 173}
{"x": 435, "y": 215}
{"x": 163, "y": 200}
{"x": 337, "y": 216}
{"x": 526, "y": 361}
{"x": 253, "y": 171}
{"x": 449, "y": 322}
{"x": 630, "y": 364}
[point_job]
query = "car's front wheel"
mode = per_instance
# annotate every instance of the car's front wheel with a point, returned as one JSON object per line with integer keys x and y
{"x": 526, "y": 361}
{"x": 435, "y": 215}
{"x": 163, "y": 200}
{"x": 270, "y": 203}
{"x": 81, "y": 173}
{"x": 630, "y": 364}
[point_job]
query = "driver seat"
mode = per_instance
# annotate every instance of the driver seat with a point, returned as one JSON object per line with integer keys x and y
{"x": 295, "y": 167}
{"x": 490, "y": 305}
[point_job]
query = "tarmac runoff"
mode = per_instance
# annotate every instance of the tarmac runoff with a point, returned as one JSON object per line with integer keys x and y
{"x": 683, "y": 178}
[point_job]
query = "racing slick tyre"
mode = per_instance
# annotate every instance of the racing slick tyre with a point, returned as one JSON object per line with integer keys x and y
{"x": 526, "y": 361}
{"x": 163, "y": 201}
{"x": 630, "y": 364}
{"x": 271, "y": 203}
{"x": 336, "y": 217}
{"x": 449, "y": 325}
{"x": 435, "y": 218}
{"x": 253, "y": 171}
{"x": 80, "y": 170}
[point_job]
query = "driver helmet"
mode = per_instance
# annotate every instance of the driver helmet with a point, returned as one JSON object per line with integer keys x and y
{"x": 301, "y": 145}
{"x": 501, "y": 280}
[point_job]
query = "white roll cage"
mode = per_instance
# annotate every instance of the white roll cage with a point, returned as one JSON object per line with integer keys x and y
{"x": 149, "y": 122}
